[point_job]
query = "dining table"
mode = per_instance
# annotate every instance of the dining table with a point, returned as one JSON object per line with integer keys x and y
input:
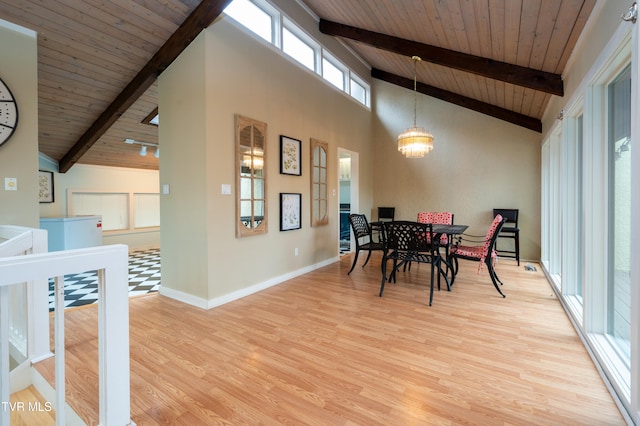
{"x": 438, "y": 229}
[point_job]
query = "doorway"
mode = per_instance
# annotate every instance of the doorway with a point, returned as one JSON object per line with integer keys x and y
{"x": 347, "y": 196}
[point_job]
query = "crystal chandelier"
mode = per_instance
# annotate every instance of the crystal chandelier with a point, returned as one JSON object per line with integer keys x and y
{"x": 415, "y": 142}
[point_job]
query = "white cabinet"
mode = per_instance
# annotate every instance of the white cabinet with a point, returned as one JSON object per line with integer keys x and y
{"x": 73, "y": 232}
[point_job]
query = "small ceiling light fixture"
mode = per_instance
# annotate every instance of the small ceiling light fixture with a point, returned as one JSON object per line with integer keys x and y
{"x": 415, "y": 142}
{"x": 143, "y": 147}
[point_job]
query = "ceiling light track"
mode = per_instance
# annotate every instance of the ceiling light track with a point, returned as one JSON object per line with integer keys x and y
{"x": 143, "y": 147}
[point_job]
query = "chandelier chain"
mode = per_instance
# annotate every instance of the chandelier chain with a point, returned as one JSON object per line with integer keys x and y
{"x": 416, "y": 59}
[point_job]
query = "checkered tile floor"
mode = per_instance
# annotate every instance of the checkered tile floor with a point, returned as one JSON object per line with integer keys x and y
{"x": 82, "y": 289}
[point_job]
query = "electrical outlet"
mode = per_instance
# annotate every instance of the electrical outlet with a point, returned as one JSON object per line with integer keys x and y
{"x": 295, "y": 251}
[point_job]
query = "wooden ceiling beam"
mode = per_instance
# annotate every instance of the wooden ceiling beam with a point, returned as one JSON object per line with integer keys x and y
{"x": 522, "y": 120}
{"x": 202, "y": 16}
{"x": 514, "y": 74}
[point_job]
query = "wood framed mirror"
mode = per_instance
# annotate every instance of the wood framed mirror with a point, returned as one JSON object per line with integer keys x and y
{"x": 251, "y": 181}
{"x": 319, "y": 197}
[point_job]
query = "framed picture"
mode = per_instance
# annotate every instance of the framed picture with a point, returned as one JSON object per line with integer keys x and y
{"x": 290, "y": 211}
{"x": 45, "y": 183}
{"x": 290, "y": 154}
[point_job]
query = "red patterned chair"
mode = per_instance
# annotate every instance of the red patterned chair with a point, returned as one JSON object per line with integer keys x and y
{"x": 485, "y": 254}
{"x": 443, "y": 218}
{"x": 440, "y": 218}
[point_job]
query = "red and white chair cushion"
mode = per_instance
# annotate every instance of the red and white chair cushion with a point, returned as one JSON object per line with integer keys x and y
{"x": 441, "y": 218}
{"x": 480, "y": 252}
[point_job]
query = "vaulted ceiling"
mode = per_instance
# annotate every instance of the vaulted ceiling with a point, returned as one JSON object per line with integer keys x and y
{"x": 98, "y": 61}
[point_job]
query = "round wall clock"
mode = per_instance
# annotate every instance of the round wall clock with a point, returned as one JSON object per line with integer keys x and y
{"x": 8, "y": 113}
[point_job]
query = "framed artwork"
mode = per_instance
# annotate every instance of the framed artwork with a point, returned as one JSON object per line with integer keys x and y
{"x": 45, "y": 183}
{"x": 290, "y": 156}
{"x": 290, "y": 211}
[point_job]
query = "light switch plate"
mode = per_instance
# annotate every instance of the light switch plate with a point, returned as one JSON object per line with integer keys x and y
{"x": 10, "y": 184}
{"x": 226, "y": 189}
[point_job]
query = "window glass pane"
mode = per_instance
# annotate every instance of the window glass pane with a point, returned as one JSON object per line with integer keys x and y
{"x": 579, "y": 242}
{"x": 358, "y": 92}
{"x": 619, "y": 294}
{"x": 113, "y": 207}
{"x": 332, "y": 74}
{"x": 258, "y": 191}
{"x": 251, "y": 16}
{"x": 297, "y": 49}
{"x": 245, "y": 212}
{"x": 258, "y": 210}
{"x": 146, "y": 210}
{"x": 245, "y": 188}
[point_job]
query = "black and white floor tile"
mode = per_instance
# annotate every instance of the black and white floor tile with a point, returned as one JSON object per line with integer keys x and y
{"x": 82, "y": 289}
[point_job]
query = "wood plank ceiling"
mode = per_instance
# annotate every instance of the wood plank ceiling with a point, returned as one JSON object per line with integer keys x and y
{"x": 97, "y": 60}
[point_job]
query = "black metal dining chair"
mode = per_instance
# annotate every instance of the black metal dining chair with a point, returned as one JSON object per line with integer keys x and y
{"x": 386, "y": 214}
{"x": 407, "y": 242}
{"x": 485, "y": 254}
{"x": 363, "y": 238}
{"x": 509, "y": 231}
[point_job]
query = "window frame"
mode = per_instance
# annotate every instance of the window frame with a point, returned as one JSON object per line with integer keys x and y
{"x": 242, "y": 230}
{"x": 279, "y": 23}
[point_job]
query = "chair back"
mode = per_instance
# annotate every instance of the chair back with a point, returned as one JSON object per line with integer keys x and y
{"x": 442, "y": 218}
{"x": 510, "y": 215}
{"x": 490, "y": 238}
{"x": 386, "y": 213}
{"x": 360, "y": 226}
{"x": 408, "y": 236}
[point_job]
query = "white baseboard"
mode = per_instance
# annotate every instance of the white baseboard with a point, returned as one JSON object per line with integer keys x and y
{"x": 238, "y": 294}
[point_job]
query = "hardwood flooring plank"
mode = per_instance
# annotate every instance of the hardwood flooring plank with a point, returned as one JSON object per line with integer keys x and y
{"x": 323, "y": 348}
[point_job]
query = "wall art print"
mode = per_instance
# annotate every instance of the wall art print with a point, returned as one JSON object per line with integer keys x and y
{"x": 290, "y": 156}
{"x": 45, "y": 186}
{"x": 290, "y": 211}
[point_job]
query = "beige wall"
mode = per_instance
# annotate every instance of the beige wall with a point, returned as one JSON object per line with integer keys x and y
{"x": 199, "y": 95}
{"x": 19, "y": 155}
{"x": 105, "y": 179}
{"x": 478, "y": 163}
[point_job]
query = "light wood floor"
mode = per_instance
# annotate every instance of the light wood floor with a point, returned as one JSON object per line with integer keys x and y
{"x": 324, "y": 349}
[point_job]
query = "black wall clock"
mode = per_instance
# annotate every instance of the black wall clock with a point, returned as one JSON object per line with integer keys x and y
{"x": 8, "y": 113}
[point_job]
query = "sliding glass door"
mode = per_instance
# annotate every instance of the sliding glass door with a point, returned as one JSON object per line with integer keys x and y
{"x": 619, "y": 252}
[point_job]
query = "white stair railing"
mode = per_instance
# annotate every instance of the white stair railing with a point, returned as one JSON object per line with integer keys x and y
{"x": 29, "y": 316}
{"x": 113, "y": 334}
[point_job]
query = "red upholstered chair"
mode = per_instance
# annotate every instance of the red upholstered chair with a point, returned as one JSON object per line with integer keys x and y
{"x": 442, "y": 218}
{"x": 485, "y": 254}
